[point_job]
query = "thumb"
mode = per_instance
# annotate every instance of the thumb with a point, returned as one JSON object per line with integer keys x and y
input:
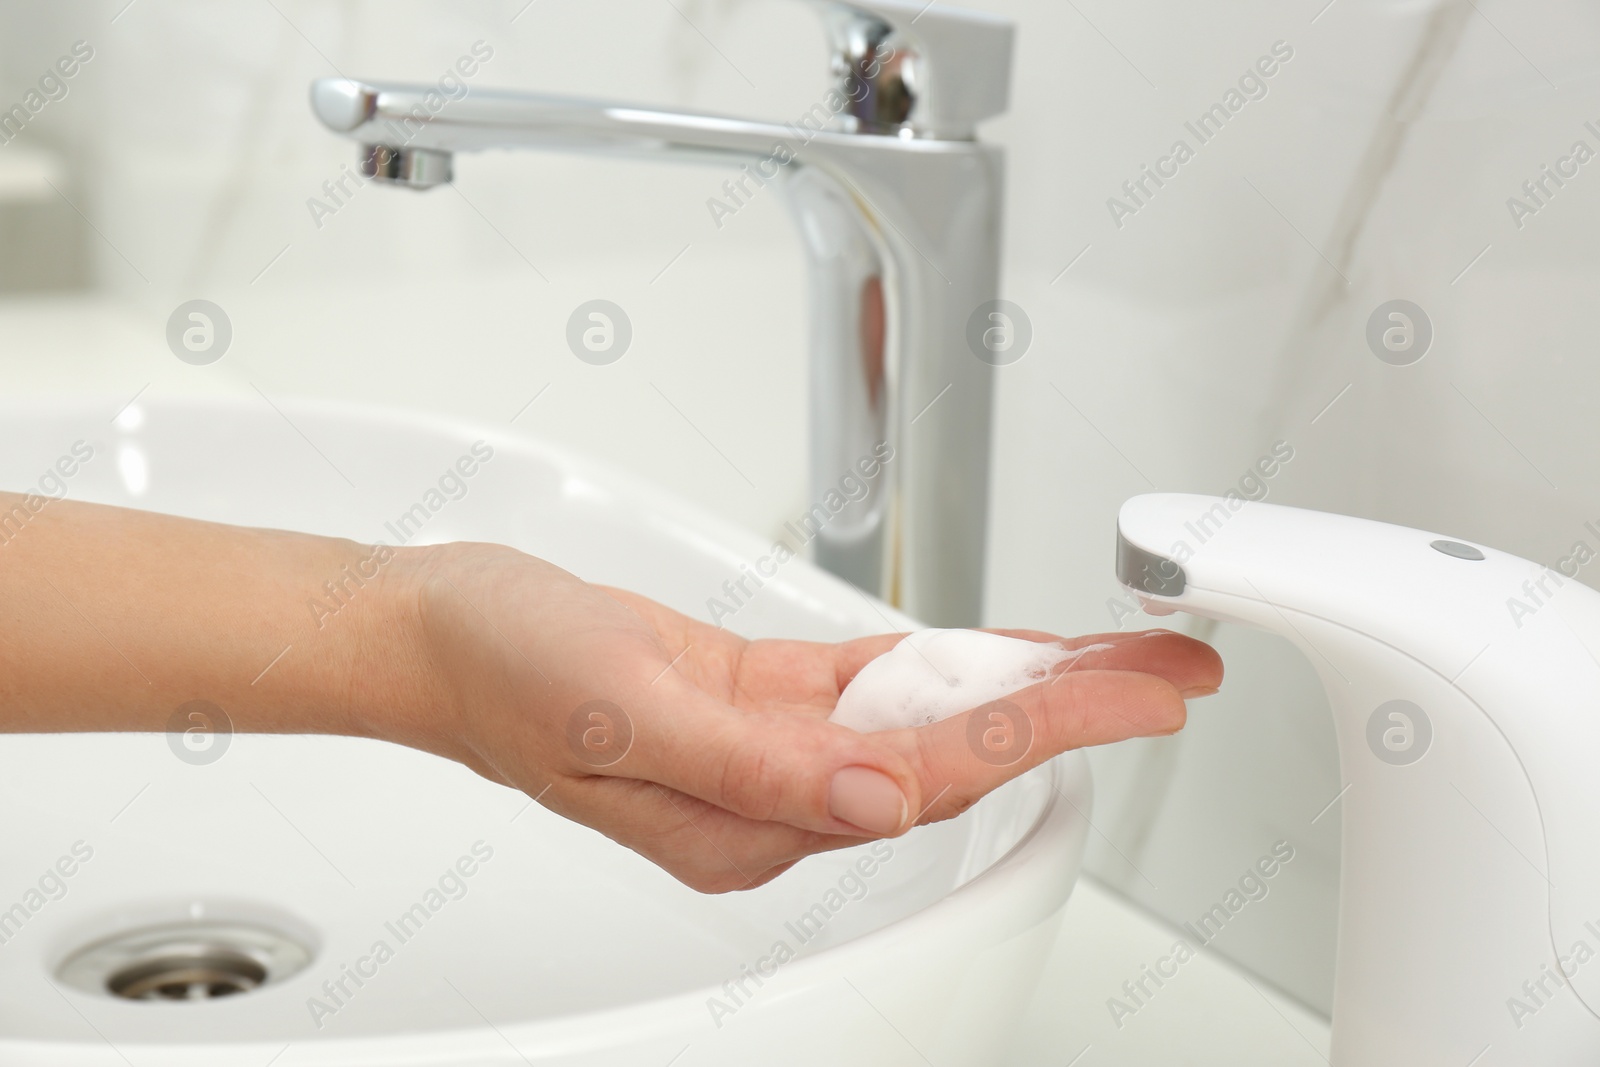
{"x": 769, "y": 766}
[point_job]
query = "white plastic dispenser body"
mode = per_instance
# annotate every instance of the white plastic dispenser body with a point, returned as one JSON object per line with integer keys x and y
{"x": 1465, "y": 686}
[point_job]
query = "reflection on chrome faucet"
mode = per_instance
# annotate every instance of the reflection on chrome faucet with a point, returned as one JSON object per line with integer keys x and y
{"x": 819, "y": 118}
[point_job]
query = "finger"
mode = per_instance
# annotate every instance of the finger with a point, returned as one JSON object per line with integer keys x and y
{"x": 764, "y": 765}
{"x": 966, "y": 756}
{"x": 1164, "y": 652}
{"x": 815, "y": 775}
{"x": 958, "y": 761}
{"x": 1192, "y": 667}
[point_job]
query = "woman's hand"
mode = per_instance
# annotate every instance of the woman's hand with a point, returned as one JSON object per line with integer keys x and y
{"x": 711, "y": 755}
{"x": 708, "y": 754}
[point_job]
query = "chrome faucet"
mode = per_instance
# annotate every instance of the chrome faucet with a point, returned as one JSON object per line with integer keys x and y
{"x": 898, "y": 207}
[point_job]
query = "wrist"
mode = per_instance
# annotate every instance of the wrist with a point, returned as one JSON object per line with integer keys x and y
{"x": 394, "y": 691}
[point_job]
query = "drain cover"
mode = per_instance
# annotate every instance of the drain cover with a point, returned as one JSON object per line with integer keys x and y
{"x": 198, "y": 972}
{"x": 190, "y": 961}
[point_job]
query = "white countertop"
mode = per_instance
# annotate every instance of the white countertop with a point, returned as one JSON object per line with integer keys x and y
{"x": 1210, "y": 1014}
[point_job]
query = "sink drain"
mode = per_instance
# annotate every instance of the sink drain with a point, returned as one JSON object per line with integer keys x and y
{"x": 190, "y": 961}
{"x": 201, "y": 972}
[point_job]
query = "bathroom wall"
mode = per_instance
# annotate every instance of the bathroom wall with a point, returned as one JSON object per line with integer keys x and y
{"x": 1178, "y": 338}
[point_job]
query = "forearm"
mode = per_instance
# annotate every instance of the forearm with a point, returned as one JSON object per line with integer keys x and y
{"x": 110, "y": 619}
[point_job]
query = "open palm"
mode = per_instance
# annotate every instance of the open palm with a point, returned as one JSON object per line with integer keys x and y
{"x": 711, "y": 755}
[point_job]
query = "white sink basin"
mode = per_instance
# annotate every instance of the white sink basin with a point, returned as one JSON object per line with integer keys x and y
{"x": 561, "y": 948}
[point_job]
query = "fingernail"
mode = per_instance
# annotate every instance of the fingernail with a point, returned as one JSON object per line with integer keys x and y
{"x": 1197, "y": 691}
{"x": 863, "y": 797}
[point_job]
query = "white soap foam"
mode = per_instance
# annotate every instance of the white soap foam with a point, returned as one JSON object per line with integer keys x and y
{"x": 934, "y": 674}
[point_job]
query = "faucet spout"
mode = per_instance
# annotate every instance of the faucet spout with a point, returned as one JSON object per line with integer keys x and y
{"x": 404, "y": 115}
{"x": 898, "y": 208}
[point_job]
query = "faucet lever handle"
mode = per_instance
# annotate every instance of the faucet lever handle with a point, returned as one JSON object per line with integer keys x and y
{"x": 919, "y": 67}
